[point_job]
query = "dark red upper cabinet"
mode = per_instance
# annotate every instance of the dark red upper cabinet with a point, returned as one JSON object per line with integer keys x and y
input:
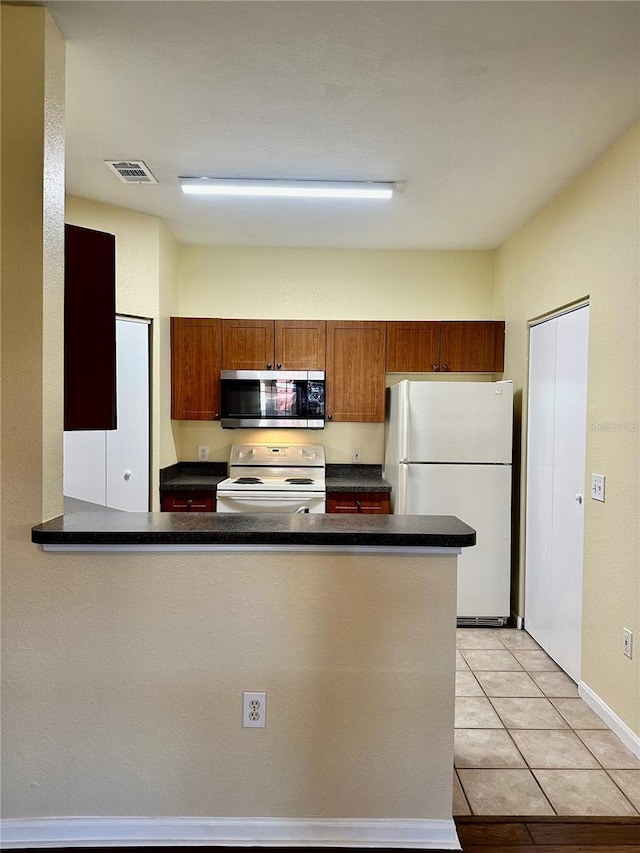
{"x": 89, "y": 329}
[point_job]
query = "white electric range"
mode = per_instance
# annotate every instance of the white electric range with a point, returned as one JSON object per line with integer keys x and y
{"x": 274, "y": 478}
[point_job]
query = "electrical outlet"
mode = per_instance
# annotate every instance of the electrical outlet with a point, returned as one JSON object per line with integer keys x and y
{"x": 597, "y": 487}
{"x": 627, "y": 642}
{"x": 203, "y": 453}
{"x": 356, "y": 457}
{"x": 254, "y": 710}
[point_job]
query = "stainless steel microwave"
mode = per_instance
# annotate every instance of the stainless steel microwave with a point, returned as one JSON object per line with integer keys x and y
{"x": 272, "y": 398}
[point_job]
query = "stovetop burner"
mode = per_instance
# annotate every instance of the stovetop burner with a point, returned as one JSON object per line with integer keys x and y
{"x": 299, "y": 481}
{"x": 248, "y": 480}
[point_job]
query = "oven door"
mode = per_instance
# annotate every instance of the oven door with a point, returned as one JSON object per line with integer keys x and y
{"x": 270, "y": 502}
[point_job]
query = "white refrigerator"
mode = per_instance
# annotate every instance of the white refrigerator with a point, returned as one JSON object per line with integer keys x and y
{"x": 448, "y": 449}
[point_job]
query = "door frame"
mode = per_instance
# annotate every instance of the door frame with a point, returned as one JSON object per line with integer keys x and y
{"x": 146, "y": 321}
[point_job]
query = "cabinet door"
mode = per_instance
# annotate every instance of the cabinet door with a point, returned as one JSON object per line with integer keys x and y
{"x": 128, "y": 446}
{"x": 366, "y": 503}
{"x": 355, "y": 370}
{"x": 247, "y": 344}
{"x": 188, "y": 501}
{"x": 300, "y": 344}
{"x": 89, "y": 329}
{"x": 413, "y": 347}
{"x": 472, "y": 346}
{"x": 195, "y": 368}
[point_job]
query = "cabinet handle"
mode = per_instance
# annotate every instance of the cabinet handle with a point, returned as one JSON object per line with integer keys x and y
{"x": 329, "y": 417}
{"x": 278, "y": 366}
{"x": 127, "y": 475}
{"x": 445, "y": 367}
{"x": 216, "y": 417}
{"x": 189, "y": 502}
{"x": 358, "y": 504}
{"x": 435, "y": 367}
{"x": 268, "y": 365}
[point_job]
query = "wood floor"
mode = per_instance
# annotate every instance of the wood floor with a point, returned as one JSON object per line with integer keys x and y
{"x": 548, "y": 834}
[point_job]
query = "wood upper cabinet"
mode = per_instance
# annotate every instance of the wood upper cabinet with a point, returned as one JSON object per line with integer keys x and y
{"x": 273, "y": 344}
{"x": 300, "y": 344}
{"x": 453, "y": 346}
{"x": 472, "y": 346}
{"x": 247, "y": 344}
{"x": 89, "y": 329}
{"x": 196, "y": 346}
{"x": 413, "y": 347}
{"x": 355, "y": 370}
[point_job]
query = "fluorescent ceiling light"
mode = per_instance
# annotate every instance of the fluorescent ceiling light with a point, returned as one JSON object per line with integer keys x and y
{"x": 287, "y": 189}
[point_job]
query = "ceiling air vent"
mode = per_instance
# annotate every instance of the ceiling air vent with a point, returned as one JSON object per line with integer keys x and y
{"x": 131, "y": 171}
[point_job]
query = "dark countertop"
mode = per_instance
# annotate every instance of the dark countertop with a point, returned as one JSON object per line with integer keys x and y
{"x": 180, "y": 528}
{"x": 355, "y": 478}
{"x": 203, "y": 476}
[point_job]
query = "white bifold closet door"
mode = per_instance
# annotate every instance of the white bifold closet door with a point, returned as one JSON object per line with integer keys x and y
{"x": 556, "y": 445}
{"x": 111, "y": 467}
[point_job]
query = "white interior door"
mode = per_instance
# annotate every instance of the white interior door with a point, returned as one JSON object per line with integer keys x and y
{"x": 85, "y": 465}
{"x": 111, "y": 467}
{"x": 555, "y": 485}
{"x": 540, "y": 454}
{"x": 128, "y": 446}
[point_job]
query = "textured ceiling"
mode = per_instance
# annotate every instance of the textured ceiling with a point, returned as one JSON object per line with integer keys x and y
{"x": 485, "y": 109}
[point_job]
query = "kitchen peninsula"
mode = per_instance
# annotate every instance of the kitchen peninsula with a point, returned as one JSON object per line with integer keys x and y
{"x": 346, "y": 622}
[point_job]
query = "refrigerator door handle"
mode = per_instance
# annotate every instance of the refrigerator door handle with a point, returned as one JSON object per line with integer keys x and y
{"x": 401, "y": 503}
{"x": 403, "y": 426}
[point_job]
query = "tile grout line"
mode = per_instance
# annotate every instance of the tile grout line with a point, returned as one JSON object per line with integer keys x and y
{"x": 620, "y": 789}
{"x": 569, "y": 726}
{"x": 515, "y": 745}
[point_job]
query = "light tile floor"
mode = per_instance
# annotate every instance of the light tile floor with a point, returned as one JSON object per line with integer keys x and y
{"x": 525, "y": 742}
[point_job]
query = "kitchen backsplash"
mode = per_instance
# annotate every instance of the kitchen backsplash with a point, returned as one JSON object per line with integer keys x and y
{"x": 339, "y": 440}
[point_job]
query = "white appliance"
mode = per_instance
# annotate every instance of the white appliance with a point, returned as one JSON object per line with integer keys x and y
{"x": 448, "y": 451}
{"x": 274, "y": 478}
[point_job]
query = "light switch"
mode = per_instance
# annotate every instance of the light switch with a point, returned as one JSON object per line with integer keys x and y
{"x": 597, "y": 487}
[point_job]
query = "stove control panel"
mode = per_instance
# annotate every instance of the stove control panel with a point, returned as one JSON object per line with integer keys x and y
{"x": 278, "y": 454}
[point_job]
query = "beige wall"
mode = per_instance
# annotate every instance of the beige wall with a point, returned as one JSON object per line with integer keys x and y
{"x": 585, "y": 244}
{"x": 123, "y": 673}
{"x": 168, "y": 307}
{"x": 335, "y": 284}
{"x": 326, "y": 284}
{"x": 146, "y": 286}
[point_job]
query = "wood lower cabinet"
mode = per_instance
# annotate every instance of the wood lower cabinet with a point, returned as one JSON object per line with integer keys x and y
{"x": 188, "y": 501}
{"x": 196, "y": 345}
{"x": 367, "y": 503}
{"x": 446, "y": 346}
{"x": 273, "y": 344}
{"x": 355, "y": 371}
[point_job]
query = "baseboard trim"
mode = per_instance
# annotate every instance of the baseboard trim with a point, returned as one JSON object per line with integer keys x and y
{"x": 228, "y": 832}
{"x": 628, "y": 737}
